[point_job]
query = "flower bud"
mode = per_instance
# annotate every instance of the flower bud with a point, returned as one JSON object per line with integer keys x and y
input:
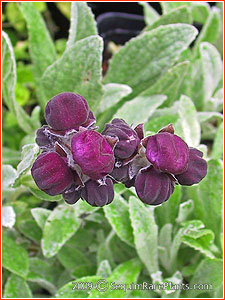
{"x": 41, "y": 138}
{"x": 51, "y": 173}
{"x": 121, "y": 174}
{"x": 66, "y": 111}
{"x": 93, "y": 154}
{"x": 128, "y": 138}
{"x": 168, "y": 153}
{"x": 72, "y": 195}
{"x": 197, "y": 168}
{"x": 96, "y": 194}
{"x": 153, "y": 187}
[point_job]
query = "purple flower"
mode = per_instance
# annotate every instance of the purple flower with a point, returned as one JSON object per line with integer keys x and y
{"x": 71, "y": 196}
{"x": 96, "y": 194}
{"x": 66, "y": 111}
{"x": 51, "y": 173}
{"x": 128, "y": 138}
{"x": 153, "y": 187}
{"x": 168, "y": 153}
{"x": 93, "y": 154}
{"x": 197, "y": 168}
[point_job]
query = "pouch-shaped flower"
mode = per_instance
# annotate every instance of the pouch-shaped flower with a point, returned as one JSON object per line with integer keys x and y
{"x": 93, "y": 154}
{"x": 66, "y": 111}
{"x": 96, "y": 194}
{"x": 51, "y": 173}
{"x": 197, "y": 168}
{"x": 128, "y": 138}
{"x": 168, "y": 153}
{"x": 153, "y": 187}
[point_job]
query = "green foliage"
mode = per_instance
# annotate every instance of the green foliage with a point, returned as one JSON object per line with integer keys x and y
{"x": 157, "y": 78}
{"x": 199, "y": 10}
{"x": 41, "y": 195}
{"x": 118, "y": 216}
{"x": 10, "y": 156}
{"x": 9, "y": 84}
{"x": 185, "y": 209}
{"x": 44, "y": 273}
{"x": 17, "y": 287}
{"x": 75, "y": 261}
{"x": 82, "y": 76}
{"x": 29, "y": 228}
{"x": 157, "y": 51}
{"x": 121, "y": 273}
{"x": 188, "y": 126}
{"x": 211, "y": 67}
{"x": 113, "y": 93}
{"x": 8, "y": 216}
{"x": 217, "y": 150}
{"x": 208, "y": 271}
{"x": 29, "y": 154}
{"x": 168, "y": 211}
{"x": 150, "y": 14}
{"x": 14, "y": 256}
{"x": 169, "y": 83}
{"x": 208, "y": 199}
{"x": 149, "y": 104}
{"x": 59, "y": 227}
{"x": 9, "y": 176}
{"x": 15, "y": 17}
{"x": 42, "y": 50}
{"x": 82, "y": 23}
{"x": 169, "y": 6}
{"x": 203, "y": 76}
{"x": 104, "y": 269}
{"x": 211, "y": 28}
{"x": 40, "y": 215}
{"x": 177, "y": 15}
{"x": 145, "y": 234}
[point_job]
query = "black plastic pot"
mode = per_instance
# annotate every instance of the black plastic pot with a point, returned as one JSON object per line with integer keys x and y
{"x": 119, "y": 27}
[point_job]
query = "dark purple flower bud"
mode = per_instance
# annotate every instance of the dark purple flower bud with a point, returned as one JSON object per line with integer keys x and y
{"x": 66, "y": 111}
{"x": 71, "y": 196}
{"x": 121, "y": 174}
{"x": 197, "y": 168}
{"x": 128, "y": 138}
{"x": 169, "y": 128}
{"x": 140, "y": 130}
{"x": 51, "y": 173}
{"x": 153, "y": 187}
{"x": 41, "y": 138}
{"x": 96, "y": 194}
{"x": 93, "y": 154}
{"x": 168, "y": 153}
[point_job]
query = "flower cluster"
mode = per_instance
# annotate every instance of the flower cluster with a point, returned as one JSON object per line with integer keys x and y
{"x": 81, "y": 163}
